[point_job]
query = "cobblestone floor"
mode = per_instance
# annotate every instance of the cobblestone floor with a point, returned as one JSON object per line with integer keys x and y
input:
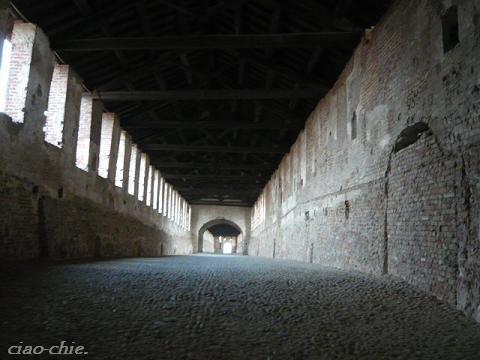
{"x": 226, "y": 307}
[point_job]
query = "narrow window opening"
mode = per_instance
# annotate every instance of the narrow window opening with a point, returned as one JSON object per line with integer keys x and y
{"x": 131, "y": 174}
{"x": 57, "y": 98}
{"x": 161, "y": 199}
{"x": 156, "y": 184}
{"x": 84, "y": 128}
{"x": 167, "y": 201}
{"x": 170, "y": 202}
{"x": 120, "y": 159}
{"x": 175, "y": 209}
{"x": 4, "y": 73}
{"x": 22, "y": 43}
{"x": 105, "y": 144}
{"x": 166, "y": 189}
{"x": 179, "y": 201}
{"x": 353, "y": 125}
{"x": 149, "y": 186}
{"x": 141, "y": 177}
{"x": 450, "y": 29}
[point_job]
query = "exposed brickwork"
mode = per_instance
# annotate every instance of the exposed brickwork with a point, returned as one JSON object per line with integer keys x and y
{"x": 120, "y": 160}
{"x": 363, "y": 194}
{"x": 421, "y": 218}
{"x": 108, "y": 121}
{"x": 56, "y": 106}
{"x": 75, "y": 231}
{"x": 23, "y": 38}
{"x": 51, "y": 208}
{"x": 18, "y": 221}
{"x": 84, "y": 130}
{"x": 133, "y": 169}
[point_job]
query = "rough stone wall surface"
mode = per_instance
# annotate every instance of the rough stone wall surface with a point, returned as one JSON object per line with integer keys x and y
{"x": 48, "y": 206}
{"x": 391, "y": 161}
{"x": 203, "y": 214}
{"x": 421, "y": 222}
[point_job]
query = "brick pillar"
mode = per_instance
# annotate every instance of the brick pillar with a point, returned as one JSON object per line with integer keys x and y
{"x": 126, "y": 162}
{"x": 112, "y": 167}
{"x": 137, "y": 172}
{"x": 31, "y": 68}
{"x": 95, "y": 135}
{"x": 145, "y": 187}
{"x": 133, "y": 169}
{"x": 72, "y": 114}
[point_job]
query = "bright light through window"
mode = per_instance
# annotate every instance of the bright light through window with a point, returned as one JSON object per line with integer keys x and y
{"x": 227, "y": 248}
{"x": 4, "y": 72}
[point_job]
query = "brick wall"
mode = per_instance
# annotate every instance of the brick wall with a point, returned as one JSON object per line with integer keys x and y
{"x": 56, "y": 106}
{"x": 49, "y": 207}
{"x": 18, "y": 219}
{"x": 85, "y": 123}
{"x": 390, "y": 197}
{"x": 23, "y": 38}
{"x": 421, "y": 217}
{"x": 120, "y": 160}
{"x": 108, "y": 120}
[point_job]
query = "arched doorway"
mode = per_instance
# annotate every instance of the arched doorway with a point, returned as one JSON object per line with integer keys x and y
{"x": 219, "y": 236}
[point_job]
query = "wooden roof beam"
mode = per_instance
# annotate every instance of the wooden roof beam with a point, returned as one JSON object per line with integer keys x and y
{"x": 205, "y": 94}
{"x": 219, "y": 149}
{"x": 195, "y": 124}
{"x": 191, "y": 42}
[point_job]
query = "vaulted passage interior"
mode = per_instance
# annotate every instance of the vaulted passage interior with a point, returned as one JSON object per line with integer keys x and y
{"x": 330, "y": 148}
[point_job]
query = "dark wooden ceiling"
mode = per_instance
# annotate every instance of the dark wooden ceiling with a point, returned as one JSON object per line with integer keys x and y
{"x": 215, "y": 91}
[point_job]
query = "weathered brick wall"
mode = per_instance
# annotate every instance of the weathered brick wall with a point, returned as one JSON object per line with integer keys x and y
{"x": 56, "y": 106}
{"x": 22, "y": 43}
{"x": 18, "y": 219}
{"x": 73, "y": 230}
{"x": 421, "y": 222}
{"x": 48, "y": 206}
{"x": 366, "y": 192}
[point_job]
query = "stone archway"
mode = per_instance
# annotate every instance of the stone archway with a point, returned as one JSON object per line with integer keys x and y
{"x": 212, "y": 223}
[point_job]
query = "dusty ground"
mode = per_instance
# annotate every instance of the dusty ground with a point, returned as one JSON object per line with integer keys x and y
{"x": 226, "y": 307}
